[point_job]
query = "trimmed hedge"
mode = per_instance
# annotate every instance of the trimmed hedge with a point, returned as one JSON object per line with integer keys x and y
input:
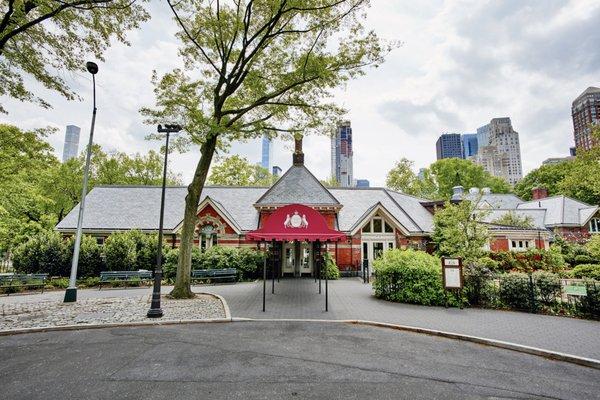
{"x": 591, "y": 271}
{"x": 409, "y": 276}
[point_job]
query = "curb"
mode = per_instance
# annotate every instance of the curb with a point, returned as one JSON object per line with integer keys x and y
{"x": 553, "y": 355}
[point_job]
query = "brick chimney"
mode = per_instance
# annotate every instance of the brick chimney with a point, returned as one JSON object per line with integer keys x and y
{"x": 298, "y": 156}
{"x": 538, "y": 193}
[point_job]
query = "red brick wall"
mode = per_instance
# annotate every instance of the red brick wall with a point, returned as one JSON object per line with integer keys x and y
{"x": 499, "y": 244}
{"x": 574, "y": 234}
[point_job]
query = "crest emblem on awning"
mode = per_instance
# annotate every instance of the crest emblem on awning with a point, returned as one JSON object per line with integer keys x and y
{"x": 295, "y": 221}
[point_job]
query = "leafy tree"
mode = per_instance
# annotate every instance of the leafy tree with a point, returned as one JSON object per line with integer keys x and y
{"x": 547, "y": 176}
{"x": 593, "y": 247}
{"x": 441, "y": 176}
{"x": 254, "y": 67}
{"x": 459, "y": 231}
{"x": 513, "y": 219}
{"x": 330, "y": 182}
{"x": 237, "y": 171}
{"x": 44, "y": 38}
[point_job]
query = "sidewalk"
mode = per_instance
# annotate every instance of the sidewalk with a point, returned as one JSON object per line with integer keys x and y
{"x": 351, "y": 299}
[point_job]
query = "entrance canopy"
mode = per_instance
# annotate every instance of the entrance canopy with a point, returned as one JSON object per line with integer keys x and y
{"x": 296, "y": 222}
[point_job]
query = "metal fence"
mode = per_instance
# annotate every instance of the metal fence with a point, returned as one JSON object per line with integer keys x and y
{"x": 6, "y": 263}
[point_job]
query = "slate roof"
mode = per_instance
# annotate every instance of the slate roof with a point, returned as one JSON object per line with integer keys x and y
{"x": 111, "y": 208}
{"x": 298, "y": 184}
{"x": 562, "y": 210}
{"x": 537, "y": 217}
{"x": 357, "y": 202}
{"x": 496, "y": 200}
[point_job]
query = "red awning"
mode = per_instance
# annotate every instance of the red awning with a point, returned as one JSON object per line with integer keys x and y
{"x": 296, "y": 222}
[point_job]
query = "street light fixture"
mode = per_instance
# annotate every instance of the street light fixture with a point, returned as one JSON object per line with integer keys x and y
{"x": 155, "y": 311}
{"x": 71, "y": 292}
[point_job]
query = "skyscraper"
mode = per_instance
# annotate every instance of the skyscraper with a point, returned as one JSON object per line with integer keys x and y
{"x": 585, "y": 111}
{"x": 267, "y": 153}
{"x": 363, "y": 183}
{"x": 341, "y": 154}
{"x": 71, "y": 146}
{"x": 469, "y": 144}
{"x": 499, "y": 151}
{"x": 448, "y": 146}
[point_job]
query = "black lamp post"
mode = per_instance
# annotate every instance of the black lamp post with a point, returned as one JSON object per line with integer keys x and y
{"x": 71, "y": 292}
{"x": 155, "y": 311}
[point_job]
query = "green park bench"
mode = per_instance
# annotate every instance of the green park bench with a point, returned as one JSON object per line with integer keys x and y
{"x": 214, "y": 274}
{"x": 124, "y": 276}
{"x": 22, "y": 281}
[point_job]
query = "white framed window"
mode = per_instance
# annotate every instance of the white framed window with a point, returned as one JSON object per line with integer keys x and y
{"x": 377, "y": 224}
{"x": 208, "y": 237}
{"x": 595, "y": 225}
{"x": 520, "y": 244}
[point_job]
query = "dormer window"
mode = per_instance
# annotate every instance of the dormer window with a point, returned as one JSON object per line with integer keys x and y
{"x": 377, "y": 224}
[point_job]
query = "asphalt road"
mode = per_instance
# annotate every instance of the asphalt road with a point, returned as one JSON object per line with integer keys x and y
{"x": 248, "y": 360}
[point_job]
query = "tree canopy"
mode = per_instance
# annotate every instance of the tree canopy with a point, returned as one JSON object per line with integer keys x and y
{"x": 45, "y": 38}
{"x": 237, "y": 171}
{"x": 256, "y": 67}
{"x": 513, "y": 219}
{"x": 438, "y": 180}
{"x": 36, "y": 190}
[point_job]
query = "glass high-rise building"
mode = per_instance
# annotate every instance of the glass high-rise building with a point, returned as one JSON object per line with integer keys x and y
{"x": 71, "y": 146}
{"x": 449, "y": 145}
{"x": 341, "y": 154}
{"x": 469, "y": 144}
{"x": 267, "y": 153}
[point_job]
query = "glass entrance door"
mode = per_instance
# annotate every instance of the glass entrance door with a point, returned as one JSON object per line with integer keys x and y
{"x": 306, "y": 258}
{"x": 297, "y": 259}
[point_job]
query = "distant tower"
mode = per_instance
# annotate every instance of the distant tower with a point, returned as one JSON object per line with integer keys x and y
{"x": 449, "y": 145}
{"x": 341, "y": 154}
{"x": 71, "y": 146}
{"x": 469, "y": 142}
{"x": 585, "y": 111}
{"x": 267, "y": 153}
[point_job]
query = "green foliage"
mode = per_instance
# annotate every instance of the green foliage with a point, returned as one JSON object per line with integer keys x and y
{"x": 91, "y": 260}
{"x": 515, "y": 291}
{"x": 45, "y": 39}
{"x": 330, "y": 182}
{"x": 459, "y": 232}
{"x": 44, "y": 253}
{"x": 478, "y": 285}
{"x": 120, "y": 252}
{"x": 409, "y": 276}
{"x": 237, "y": 171}
{"x": 591, "y": 271}
{"x": 532, "y": 260}
{"x": 589, "y": 305}
{"x": 547, "y": 176}
{"x": 593, "y": 247}
{"x": 249, "y": 262}
{"x": 548, "y": 286}
{"x": 512, "y": 219}
{"x": 438, "y": 180}
{"x": 330, "y": 270}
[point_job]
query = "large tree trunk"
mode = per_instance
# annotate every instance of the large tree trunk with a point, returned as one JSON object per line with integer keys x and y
{"x": 182, "y": 289}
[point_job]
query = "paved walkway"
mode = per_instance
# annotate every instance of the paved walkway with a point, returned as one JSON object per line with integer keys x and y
{"x": 276, "y": 360}
{"x": 351, "y": 299}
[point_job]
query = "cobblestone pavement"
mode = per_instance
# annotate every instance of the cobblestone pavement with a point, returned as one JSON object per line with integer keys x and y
{"x": 351, "y": 299}
{"x": 52, "y": 313}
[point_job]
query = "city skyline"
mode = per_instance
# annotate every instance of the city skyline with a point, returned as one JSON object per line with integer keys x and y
{"x": 441, "y": 79}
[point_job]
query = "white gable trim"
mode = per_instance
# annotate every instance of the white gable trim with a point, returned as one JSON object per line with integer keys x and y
{"x": 370, "y": 214}
{"x": 219, "y": 209}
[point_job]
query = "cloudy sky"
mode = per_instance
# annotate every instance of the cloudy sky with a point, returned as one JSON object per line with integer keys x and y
{"x": 461, "y": 64}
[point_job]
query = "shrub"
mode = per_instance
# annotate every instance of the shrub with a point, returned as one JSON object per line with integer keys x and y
{"x": 44, "y": 253}
{"x": 169, "y": 266}
{"x": 583, "y": 259}
{"x": 548, "y": 286}
{"x": 591, "y": 271}
{"x": 91, "y": 260}
{"x": 120, "y": 252}
{"x": 249, "y": 262}
{"x": 515, "y": 291}
{"x": 219, "y": 257}
{"x": 145, "y": 250}
{"x": 478, "y": 284}
{"x": 589, "y": 305}
{"x": 330, "y": 270}
{"x": 409, "y": 276}
{"x": 506, "y": 260}
{"x": 593, "y": 248}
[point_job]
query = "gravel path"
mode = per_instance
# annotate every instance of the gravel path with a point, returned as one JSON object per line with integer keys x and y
{"x": 105, "y": 310}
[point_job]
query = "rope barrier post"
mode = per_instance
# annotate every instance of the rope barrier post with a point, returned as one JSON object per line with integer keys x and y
{"x": 264, "y": 282}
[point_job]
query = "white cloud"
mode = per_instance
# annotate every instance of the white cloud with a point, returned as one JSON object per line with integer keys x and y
{"x": 462, "y": 63}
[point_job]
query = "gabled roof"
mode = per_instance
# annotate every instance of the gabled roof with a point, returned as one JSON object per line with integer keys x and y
{"x": 537, "y": 216}
{"x": 562, "y": 210}
{"x": 407, "y": 210}
{"x": 495, "y": 200}
{"x": 110, "y": 208}
{"x": 298, "y": 185}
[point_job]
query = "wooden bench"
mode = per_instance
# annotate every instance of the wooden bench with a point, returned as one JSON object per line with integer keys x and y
{"x": 214, "y": 274}
{"x": 123, "y": 276}
{"x": 23, "y": 280}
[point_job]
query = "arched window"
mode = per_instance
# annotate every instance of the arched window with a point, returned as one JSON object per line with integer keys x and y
{"x": 208, "y": 237}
